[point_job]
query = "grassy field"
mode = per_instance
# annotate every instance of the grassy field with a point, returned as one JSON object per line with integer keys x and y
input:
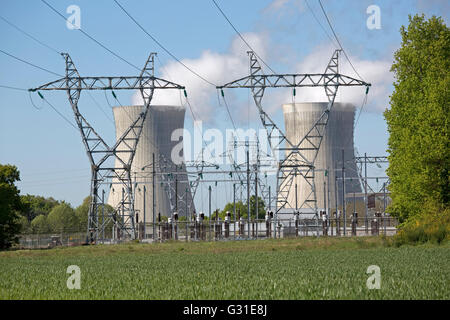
{"x": 304, "y": 268}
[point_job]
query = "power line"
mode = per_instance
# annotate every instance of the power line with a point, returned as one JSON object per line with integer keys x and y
{"x": 361, "y": 110}
{"x": 44, "y": 69}
{"x": 91, "y": 37}
{"x": 29, "y": 63}
{"x": 318, "y": 21}
{"x": 13, "y": 88}
{"x": 62, "y": 116}
{"x": 33, "y": 65}
{"x": 229, "y": 114}
{"x": 337, "y": 39}
{"x": 170, "y": 54}
{"x": 29, "y": 35}
{"x": 57, "y": 52}
{"x": 100, "y": 108}
{"x": 161, "y": 46}
{"x": 240, "y": 35}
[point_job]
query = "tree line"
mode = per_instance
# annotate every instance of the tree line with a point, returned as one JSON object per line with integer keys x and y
{"x": 36, "y": 214}
{"x": 418, "y": 125}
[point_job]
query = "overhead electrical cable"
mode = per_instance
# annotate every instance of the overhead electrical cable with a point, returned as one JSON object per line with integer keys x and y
{"x": 229, "y": 114}
{"x": 160, "y": 45}
{"x": 337, "y": 39}
{"x": 57, "y": 52}
{"x": 91, "y": 37}
{"x": 248, "y": 45}
{"x": 42, "y": 97}
{"x": 348, "y": 59}
{"x": 321, "y": 25}
{"x": 240, "y": 35}
{"x": 171, "y": 54}
{"x": 56, "y": 110}
{"x": 29, "y": 35}
{"x": 13, "y": 88}
{"x": 29, "y": 63}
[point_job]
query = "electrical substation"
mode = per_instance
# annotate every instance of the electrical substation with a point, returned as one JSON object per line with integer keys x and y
{"x": 153, "y": 197}
{"x": 321, "y": 185}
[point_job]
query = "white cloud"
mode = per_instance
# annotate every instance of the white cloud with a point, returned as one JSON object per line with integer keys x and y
{"x": 279, "y": 6}
{"x": 221, "y": 68}
{"x": 375, "y": 72}
{"x": 216, "y": 67}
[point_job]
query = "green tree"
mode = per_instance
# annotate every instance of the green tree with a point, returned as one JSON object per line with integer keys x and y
{"x": 40, "y": 224}
{"x": 24, "y": 223}
{"x": 9, "y": 206}
{"x": 261, "y": 207}
{"x": 36, "y": 205}
{"x": 418, "y": 118}
{"x": 241, "y": 207}
{"x": 62, "y": 218}
{"x": 82, "y": 212}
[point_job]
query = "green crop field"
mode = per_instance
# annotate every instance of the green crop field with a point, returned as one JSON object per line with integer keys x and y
{"x": 305, "y": 268}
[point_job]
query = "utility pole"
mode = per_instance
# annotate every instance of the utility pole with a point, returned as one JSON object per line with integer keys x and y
{"x": 384, "y": 207}
{"x": 248, "y": 193}
{"x": 103, "y": 215}
{"x": 145, "y": 226}
{"x": 366, "y": 221}
{"x": 234, "y": 208}
{"x": 325, "y": 194}
{"x": 186, "y": 209}
{"x": 209, "y": 192}
{"x": 336, "y": 201}
{"x": 343, "y": 193}
{"x": 256, "y": 199}
{"x": 153, "y": 197}
{"x": 328, "y": 194}
{"x": 176, "y": 193}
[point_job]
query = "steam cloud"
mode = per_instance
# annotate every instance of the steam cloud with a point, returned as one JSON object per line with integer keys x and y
{"x": 221, "y": 68}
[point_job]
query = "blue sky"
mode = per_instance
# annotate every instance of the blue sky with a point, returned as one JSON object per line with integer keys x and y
{"x": 49, "y": 152}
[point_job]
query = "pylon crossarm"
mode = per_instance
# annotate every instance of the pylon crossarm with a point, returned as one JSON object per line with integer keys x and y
{"x": 293, "y": 81}
{"x": 110, "y": 83}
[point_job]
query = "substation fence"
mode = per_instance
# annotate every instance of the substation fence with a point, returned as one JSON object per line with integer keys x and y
{"x": 227, "y": 231}
{"x": 260, "y": 229}
{"x": 51, "y": 240}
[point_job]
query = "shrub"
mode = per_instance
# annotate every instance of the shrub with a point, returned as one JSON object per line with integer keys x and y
{"x": 433, "y": 225}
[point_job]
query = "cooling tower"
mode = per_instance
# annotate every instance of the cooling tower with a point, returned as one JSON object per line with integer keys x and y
{"x": 159, "y": 124}
{"x": 299, "y": 119}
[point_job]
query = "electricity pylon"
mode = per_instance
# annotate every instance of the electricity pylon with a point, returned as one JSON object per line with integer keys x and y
{"x": 98, "y": 151}
{"x": 298, "y": 159}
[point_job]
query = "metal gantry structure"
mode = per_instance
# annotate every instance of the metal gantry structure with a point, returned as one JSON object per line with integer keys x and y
{"x": 99, "y": 151}
{"x": 363, "y": 161}
{"x": 296, "y": 162}
{"x": 168, "y": 172}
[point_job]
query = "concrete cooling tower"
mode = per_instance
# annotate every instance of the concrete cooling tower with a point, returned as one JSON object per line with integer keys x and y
{"x": 299, "y": 119}
{"x": 159, "y": 124}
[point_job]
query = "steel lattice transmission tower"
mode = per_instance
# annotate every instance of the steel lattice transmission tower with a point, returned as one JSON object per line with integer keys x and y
{"x": 295, "y": 161}
{"x": 98, "y": 150}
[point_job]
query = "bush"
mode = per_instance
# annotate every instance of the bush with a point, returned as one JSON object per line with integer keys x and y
{"x": 433, "y": 226}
